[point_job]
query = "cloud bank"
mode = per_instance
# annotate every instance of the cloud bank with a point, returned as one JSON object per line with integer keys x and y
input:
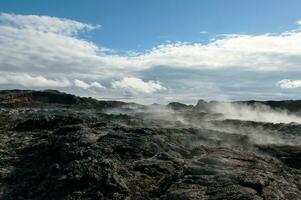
{"x": 43, "y": 46}
{"x": 50, "y": 38}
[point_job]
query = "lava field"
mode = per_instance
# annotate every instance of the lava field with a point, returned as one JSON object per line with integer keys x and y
{"x": 55, "y": 145}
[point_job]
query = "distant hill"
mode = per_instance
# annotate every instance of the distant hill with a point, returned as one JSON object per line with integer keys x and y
{"x": 31, "y": 98}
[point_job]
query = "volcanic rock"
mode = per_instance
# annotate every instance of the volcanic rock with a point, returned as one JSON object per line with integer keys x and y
{"x": 59, "y": 146}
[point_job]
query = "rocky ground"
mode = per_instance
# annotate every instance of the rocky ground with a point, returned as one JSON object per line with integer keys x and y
{"x": 59, "y": 146}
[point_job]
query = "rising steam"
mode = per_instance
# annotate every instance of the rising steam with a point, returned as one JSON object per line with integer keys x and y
{"x": 256, "y": 112}
{"x": 258, "y": 122}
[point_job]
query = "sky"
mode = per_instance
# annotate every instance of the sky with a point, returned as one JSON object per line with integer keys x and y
{"x": 153, "y": 51}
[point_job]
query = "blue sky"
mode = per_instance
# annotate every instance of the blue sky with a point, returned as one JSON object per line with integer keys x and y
{"x": 140, "y": 25}
{"x": 153, "y": 51}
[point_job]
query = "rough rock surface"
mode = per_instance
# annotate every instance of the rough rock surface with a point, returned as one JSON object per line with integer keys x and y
{"x": 59, "y": 146}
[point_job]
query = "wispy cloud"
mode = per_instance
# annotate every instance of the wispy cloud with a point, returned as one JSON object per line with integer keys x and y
{"x": 136, "y": 85}
{"x": 289, "y": 84}
{"x": 26, "y": 80}
{"x": 33, "y": 81}
{"x": 44, "y": 24}
{"x": 84, "y": 85}
{"x": 204, "y": 32}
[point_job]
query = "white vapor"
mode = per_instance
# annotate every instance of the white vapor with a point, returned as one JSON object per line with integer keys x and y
{"x": 289, "y": 84}
{"x": 257, "y": 112}
{"x": 136, "y": 85}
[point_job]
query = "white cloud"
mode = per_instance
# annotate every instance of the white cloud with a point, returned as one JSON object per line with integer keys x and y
{"x": 47, "y": 44}
{"x": 289, "y": 84}
{"x": 44, "y": 44}
{"x": 27, "y": 80}
{"x": 52, "y": 47}
{"x": 262, "y": 52}
{"x": 204, "y": 32}
{"x": 97, "y": 85}
{"x": 44, "y": 23}
{"x": 136, "y": 85}
{"x": 299, "y": 22}
{"x": 33, "y": 81}
{"x": 81, "y": 84}
{"x": 84, "y": 85}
